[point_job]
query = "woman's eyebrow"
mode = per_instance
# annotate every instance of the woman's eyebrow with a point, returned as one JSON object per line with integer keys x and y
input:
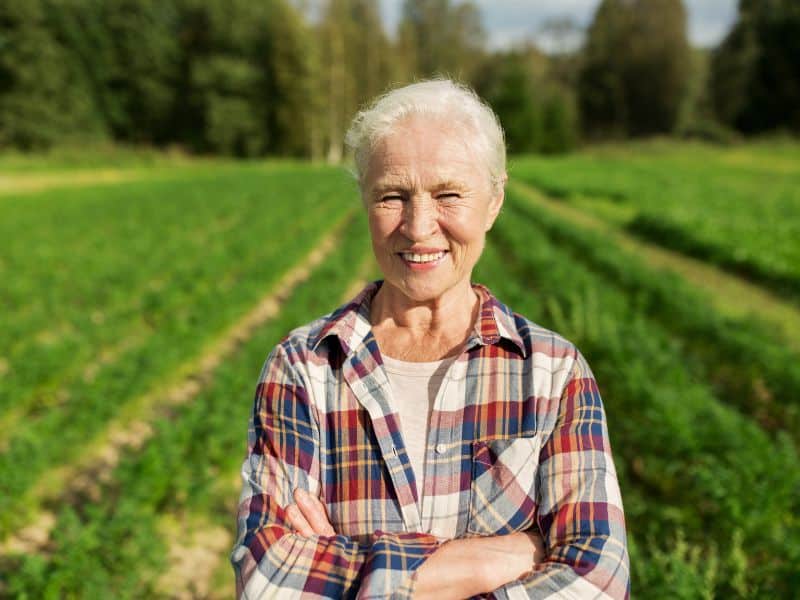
{"x": 395, "y": 185}
{"x": 449, "y": 184}
{"x": 384, "y": 187}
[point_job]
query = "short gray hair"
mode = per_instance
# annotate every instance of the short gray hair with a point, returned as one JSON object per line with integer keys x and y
{"x": 442, "y": 98}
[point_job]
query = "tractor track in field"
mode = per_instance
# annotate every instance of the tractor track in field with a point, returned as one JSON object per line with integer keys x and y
{"x": 37, "y": 182}
{"x": 731, "y": 295}
{"x": 15, "y": 183}
{"x": 207, "y": 543}
{"x": 105, "y": 355}
{"x": 85, "y": 477}
{"x": 72, "y": 373}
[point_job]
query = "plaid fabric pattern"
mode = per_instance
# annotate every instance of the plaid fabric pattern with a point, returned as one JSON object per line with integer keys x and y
{"x": 525, "y": 447}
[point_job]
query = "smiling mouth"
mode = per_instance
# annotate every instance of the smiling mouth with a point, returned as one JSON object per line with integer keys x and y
{"x": 430, "y": 257}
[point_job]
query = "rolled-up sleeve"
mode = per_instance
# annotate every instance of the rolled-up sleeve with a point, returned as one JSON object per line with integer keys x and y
{"x": 580, "y": 510}
{"x": 269, "y": 559}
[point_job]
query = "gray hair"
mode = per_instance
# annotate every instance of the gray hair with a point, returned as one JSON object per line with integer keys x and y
{"x": 441, "y": 98}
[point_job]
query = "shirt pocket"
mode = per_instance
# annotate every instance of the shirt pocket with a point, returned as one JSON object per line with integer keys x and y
{"x": 503, "y": 488}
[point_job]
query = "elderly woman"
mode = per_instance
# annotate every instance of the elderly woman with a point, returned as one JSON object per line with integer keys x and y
{"x": 423, "y": 440}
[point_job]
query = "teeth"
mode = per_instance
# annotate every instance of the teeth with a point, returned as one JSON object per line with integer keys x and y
{"x": 422, "y": 258}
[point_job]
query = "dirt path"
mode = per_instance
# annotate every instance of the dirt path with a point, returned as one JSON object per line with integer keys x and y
{"x": 203, "y": 548}
{"x": 209, "y": 544}
{"x": 37, "y": 182}
{"x": 730, "y": 295}
{"x": 86, "y": 476}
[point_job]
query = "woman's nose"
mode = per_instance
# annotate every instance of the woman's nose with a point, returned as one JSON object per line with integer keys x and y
{"x": 419, "y": 219}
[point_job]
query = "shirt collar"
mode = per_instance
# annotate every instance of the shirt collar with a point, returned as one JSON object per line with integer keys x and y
{"x": 350, "y": 322}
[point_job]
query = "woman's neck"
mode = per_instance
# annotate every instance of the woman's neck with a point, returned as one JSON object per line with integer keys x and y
{"x": 423, "y": 331}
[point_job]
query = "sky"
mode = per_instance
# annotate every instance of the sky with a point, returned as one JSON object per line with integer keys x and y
{"x": 509, "y": 21}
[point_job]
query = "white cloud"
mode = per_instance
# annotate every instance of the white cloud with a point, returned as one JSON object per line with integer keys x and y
{"x": 710, "y": 20}
{"x": 508, "y": 21}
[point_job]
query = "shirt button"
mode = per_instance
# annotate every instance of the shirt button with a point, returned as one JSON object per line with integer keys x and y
{"x": 441, "y": 448}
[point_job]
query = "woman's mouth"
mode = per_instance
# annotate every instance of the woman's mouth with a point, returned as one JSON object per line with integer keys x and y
{"x": 422, "y": 258}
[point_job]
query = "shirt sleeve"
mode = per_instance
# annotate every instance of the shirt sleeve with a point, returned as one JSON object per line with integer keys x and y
{"x": 580, "y": 506}
{"x": 269, "y": 559}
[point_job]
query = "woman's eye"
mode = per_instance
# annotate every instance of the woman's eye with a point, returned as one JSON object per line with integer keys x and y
{"x": 449, "y": 196}
{"x": 391, "y": 197}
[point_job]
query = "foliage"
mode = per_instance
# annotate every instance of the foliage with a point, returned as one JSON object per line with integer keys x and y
{"x": 537, "y": 113}
{"x": 113, "y": 290}
{"x": 245, "y": 78}
{"x": 279, "y": 77}
{"x": 45, "y": 94}
{"x": 440, "y": 37}
{"x": 755, "y": 81}
{"x": 695, "y": 199}
{"x": 186, "y": 469}
{"x": 224, "y": 77}
{"x": 354, "y": 65}
{"x": 145, "y": 284}
{"x": 686, "y": 459}
{"x": 636, "y": 68}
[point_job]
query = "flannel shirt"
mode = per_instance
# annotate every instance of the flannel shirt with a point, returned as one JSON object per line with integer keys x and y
{"x": 526, "y": 447}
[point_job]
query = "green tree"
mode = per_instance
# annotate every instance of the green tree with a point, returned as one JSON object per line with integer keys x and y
{"x": 145, "y": 59}
{"x": 44, "y": 94}
{"x": 508, "y": 84}
{"x": 129, "y": 54}
{"x": 559, "y": 121}
{"x": 537, "y": 111}
{"x": 439, "y": 37}
{"x": 755, "y": 72}
{"x": 244, "y": 77}
{"x": 356, "y": 63}
{"x": 286, "y": 74}
{"x": 636, "y": 68}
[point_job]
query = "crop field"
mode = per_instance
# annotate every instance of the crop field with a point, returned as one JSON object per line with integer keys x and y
{"x": 736, "y": 208}
{"x": 140, "y": 296}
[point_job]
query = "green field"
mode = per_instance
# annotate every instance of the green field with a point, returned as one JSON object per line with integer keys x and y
{"x": 735, "y": 207}
{"x": 130, "y": 286}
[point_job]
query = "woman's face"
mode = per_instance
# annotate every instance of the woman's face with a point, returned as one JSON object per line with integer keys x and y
{"x": 430, "y": 204}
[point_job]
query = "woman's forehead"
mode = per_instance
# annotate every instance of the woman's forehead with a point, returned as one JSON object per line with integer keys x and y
{"x": 441, "y": 171}
{"x": 410, "y": 153}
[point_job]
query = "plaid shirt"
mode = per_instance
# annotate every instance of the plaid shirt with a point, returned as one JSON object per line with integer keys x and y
{"x": 526, "y": 447}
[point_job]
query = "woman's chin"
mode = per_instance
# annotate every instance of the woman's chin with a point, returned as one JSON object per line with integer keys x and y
{"x": 418, "y": 291}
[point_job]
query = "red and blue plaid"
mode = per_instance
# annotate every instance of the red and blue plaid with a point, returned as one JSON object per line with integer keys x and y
{"x": 525, "y": 448}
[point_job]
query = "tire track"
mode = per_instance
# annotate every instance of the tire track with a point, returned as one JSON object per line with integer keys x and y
{"x": 208, "y": 544}
{"x": 729, "y": 294}
{"x": 85, "y": 477}
{"x": 31, "y": 183}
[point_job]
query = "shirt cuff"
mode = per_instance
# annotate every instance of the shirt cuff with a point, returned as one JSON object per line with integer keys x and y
{"x": 392, "y": 563}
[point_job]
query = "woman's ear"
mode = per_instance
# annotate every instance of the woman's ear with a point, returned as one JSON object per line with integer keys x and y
{"x": 496, "y": 200}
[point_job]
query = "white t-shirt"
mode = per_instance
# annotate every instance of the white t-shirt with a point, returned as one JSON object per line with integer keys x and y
{"x": 415, "y": 386}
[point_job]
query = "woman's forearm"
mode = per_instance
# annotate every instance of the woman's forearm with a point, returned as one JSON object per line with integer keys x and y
{"x": 458, "y": 569}
{"x": 465, "y": 567}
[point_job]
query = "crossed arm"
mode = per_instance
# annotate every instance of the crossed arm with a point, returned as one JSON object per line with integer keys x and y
{"x": 580, "y": 517}
{"x": 457, "y": 569}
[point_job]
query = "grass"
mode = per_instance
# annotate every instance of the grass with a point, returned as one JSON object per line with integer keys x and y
{"x": 188, "y": 468}
{"x": 737, "y": 207}
{"x": 112, "y": 286}
{"x": 690, "y": 463}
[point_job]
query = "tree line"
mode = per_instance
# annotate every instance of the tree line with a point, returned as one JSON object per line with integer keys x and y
{"x": 246, "y": 78}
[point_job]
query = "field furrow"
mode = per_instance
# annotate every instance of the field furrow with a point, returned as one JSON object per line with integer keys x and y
{"x": 170, "y": 505}
{"x": 137, "y": 307}
{"x": 690, "y": 464}
{"x": 748, "y": 359}
{"x": 208, "y": 283}
{"x": 738, "y": 207}
{"x": 730, "y": 295}
{"x": 85, "y": 476}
